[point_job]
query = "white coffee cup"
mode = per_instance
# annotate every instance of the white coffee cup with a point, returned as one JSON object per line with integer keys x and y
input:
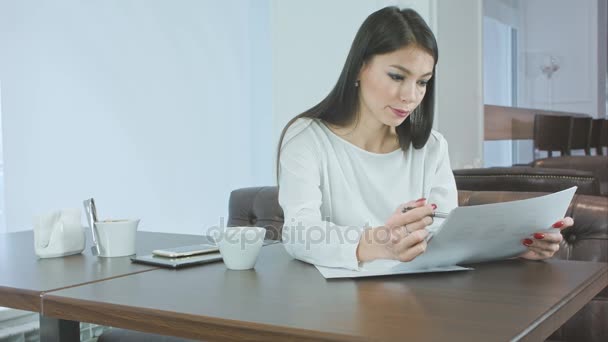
{"x": 116, "y": 238}
{"x": 240, "y": 246}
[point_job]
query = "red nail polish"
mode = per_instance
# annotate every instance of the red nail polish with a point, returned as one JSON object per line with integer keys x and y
{"x": 421, "y": 200}
{"x": 434, "y": 206}
{"x": 539, "y": 236}
{"x": 558, "y": 224}
{"x": 528, "y": 242}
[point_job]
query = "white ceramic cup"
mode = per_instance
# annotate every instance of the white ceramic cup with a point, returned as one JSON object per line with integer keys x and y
{"x": 116, "y": 238}
{"x": 240, "y": 246}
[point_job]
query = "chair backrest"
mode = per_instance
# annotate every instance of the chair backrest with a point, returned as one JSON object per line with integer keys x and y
{"x": 599, "y": 135}
{"x": 604, "y": 134}
{"x": 598, "y": 165}
{"x": 552, "y": 133}
{"x": 581, "y": 134}
{"x": 527, "y": 178}
{"x": 596, "y": 133}
{"x": 259, "y": 207}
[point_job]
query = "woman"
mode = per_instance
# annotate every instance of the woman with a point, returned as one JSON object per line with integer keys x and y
{"x": 345, "y": 164}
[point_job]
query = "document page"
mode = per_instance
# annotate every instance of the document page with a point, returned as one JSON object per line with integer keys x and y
{"x": 474, "y": 234}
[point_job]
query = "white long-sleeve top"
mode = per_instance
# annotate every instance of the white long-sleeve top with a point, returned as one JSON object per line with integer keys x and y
{"x": 331, "y": 190}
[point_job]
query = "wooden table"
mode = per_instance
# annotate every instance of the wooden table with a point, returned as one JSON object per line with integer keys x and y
{"x": 513, "y": 123}
{"x": 24, "y": 278}
{"x": 284, "y": 298}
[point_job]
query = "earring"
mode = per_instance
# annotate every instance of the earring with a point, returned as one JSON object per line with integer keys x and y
{"x": 356, "y": 83}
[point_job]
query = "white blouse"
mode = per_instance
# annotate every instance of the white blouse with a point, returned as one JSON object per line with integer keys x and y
{"x": 331, "y": 190}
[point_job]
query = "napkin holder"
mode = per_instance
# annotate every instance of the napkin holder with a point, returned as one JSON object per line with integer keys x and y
{"x": 58, "y": 234}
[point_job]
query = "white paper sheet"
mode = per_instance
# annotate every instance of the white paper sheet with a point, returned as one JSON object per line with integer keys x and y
{"x": 474, "y": 234}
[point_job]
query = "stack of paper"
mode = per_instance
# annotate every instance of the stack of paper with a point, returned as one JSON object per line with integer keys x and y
{"x": 474, "y": 234}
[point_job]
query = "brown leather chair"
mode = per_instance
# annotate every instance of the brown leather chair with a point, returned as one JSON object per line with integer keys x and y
{"x": 598, "y": 165}
{"x": 552, "y": 133}
{"x": 586, "y": 240}
{"x": 581, "y": 134}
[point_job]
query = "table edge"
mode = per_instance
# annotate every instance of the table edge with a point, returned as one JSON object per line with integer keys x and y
{"x": 21, "y": 299}
{"x": 539, "y": 329}
{"x": 176, "y": 323}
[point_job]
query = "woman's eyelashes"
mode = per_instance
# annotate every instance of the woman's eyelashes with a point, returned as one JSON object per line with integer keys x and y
{"x": 396, "y": 77}
{"x": 399, "y": 78}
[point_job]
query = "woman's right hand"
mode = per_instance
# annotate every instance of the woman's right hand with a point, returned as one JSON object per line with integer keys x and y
{"x": 403, "y": 236}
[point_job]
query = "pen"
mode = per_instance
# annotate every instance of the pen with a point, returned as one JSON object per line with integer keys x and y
{"x": 436, "y": 214}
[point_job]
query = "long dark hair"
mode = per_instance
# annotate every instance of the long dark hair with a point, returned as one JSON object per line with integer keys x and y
{"x": 384, "y": 31}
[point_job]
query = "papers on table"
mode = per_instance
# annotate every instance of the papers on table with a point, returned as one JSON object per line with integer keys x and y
{"x": 474, "y": 234}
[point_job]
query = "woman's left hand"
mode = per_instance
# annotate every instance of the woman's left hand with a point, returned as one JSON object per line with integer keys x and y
{"x": 545, "y": 245}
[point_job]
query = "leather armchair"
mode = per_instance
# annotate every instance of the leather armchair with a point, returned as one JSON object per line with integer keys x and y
{"x": 598, "y": 165}
{"x": 587, "y": 240}
{"x": 527, "y": 178}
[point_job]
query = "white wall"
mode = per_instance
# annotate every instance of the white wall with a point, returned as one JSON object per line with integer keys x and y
{"x": 504, "y": 11}
{"x": 310, "y": 42}
{"x": 159, "y": 109}
{"x": 262, "y": 145}
{"x": 144, "y": 105}
{"x": 569, "y": 31}
{"x": 460, "y": 80}
{"x": 602, "y": 57}
{"x": 2, "y": 214}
